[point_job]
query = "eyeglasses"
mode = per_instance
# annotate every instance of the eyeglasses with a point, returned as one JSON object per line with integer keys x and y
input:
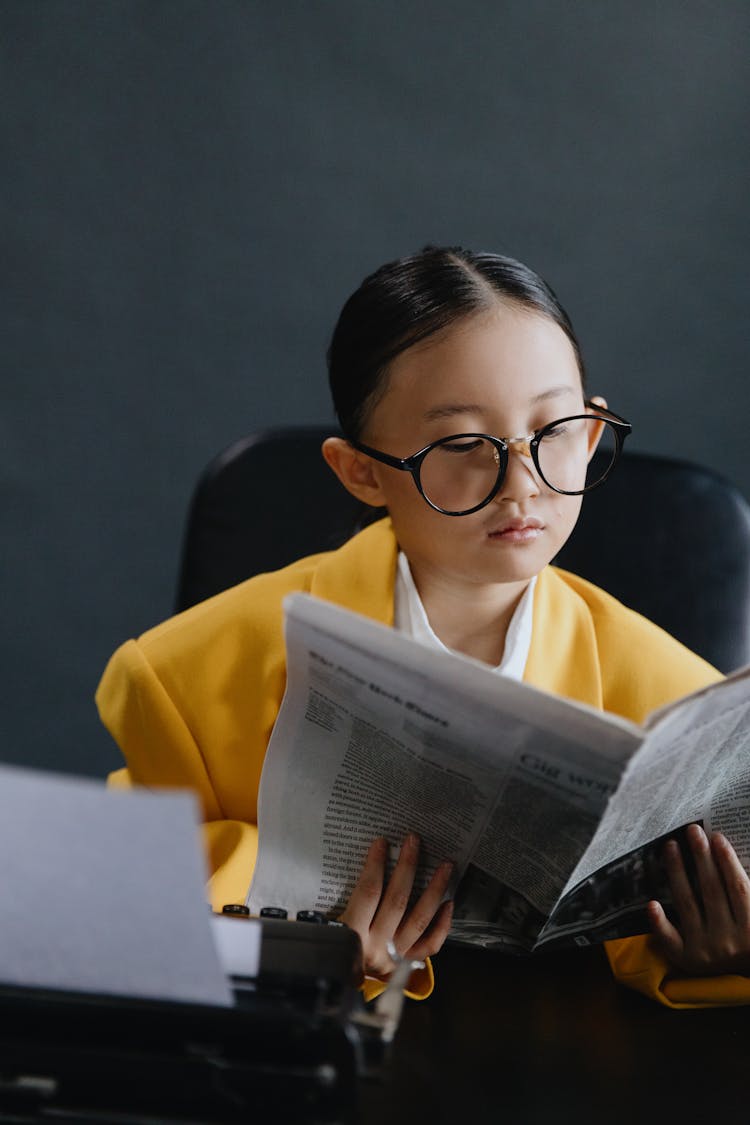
{"x": 461, "y": 473}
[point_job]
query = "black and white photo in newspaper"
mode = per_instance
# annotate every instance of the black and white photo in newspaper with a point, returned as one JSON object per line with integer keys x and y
{"x": 693, "y": 766}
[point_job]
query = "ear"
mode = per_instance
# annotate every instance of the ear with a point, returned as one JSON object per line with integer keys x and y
{"x": 355, "y": 470}
{"x": 598, "y": 403}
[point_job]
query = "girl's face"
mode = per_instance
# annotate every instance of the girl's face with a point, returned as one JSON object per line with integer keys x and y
{"x": 507, "y": 372}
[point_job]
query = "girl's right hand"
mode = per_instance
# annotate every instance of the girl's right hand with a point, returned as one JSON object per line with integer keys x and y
{"x": 380, "y": 915}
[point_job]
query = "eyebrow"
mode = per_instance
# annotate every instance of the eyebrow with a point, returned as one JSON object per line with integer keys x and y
{"x": 450, "y": 409}
{"x": 553, "y": 392}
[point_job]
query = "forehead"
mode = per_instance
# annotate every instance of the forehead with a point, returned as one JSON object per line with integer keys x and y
{"x": 497, "y": 363}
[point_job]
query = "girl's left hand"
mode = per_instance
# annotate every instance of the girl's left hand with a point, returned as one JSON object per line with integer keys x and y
{"x": 714, "y": 925}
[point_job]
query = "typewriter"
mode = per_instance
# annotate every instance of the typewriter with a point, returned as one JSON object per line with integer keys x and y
{"x": 294, "y": 1045}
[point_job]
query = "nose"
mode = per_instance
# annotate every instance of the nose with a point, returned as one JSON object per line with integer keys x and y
{"x": 522, "y": 445}
{"x": 521, "y": 480}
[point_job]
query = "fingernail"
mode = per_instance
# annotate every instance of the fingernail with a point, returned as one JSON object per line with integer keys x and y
{"x": 411, "y": 840}
{"x": 446, "y": 868}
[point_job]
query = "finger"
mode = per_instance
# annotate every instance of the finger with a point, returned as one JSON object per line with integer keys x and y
{"x": 665, "y": 935}
{"x": 422, "y": 915}
{"x": 713, "y": 892}
{"x": 395, "y": 899}
{"x": 432, "y": 940}
{"x": 734, "y": 876}
{"x": 365, "y": 897}
{"x": 691, "y": 920}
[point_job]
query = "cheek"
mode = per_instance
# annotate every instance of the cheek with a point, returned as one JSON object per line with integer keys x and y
{"x": 567, "y": 509}
{"x": 418, "y": 526}
{"x": 399, "y": 490}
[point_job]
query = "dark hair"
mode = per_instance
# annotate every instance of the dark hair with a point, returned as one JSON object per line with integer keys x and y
{"x": 408, "y": 300}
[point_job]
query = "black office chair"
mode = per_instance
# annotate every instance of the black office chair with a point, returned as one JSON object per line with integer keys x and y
{"x": 669, "y": 539}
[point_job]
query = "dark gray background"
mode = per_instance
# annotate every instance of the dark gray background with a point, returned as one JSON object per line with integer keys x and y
{"x": 191, "y": 190}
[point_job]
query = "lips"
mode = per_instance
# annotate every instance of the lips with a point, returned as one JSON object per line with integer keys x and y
{"x": 521, "y": 530}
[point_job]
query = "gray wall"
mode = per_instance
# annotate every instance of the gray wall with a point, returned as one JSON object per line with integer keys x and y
{"x": 191, "y": 189}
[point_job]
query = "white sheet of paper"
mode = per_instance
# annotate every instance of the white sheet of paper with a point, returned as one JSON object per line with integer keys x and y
{"x": 238, "y": 942}
{"x": 103, "y": 891}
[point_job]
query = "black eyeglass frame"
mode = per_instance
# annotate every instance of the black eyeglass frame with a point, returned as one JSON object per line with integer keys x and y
{"x": 621, "y": 428}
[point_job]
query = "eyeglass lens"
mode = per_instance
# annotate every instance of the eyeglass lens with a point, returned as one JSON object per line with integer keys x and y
{"x": 459, "y": 475}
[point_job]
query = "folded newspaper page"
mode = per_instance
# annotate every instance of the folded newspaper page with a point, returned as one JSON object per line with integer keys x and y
{"x": 552, "y": 812}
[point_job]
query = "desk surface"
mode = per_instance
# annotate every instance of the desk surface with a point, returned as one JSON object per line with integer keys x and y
{"x": 519, "y": 1041}
{"x": 555, "y": 1039}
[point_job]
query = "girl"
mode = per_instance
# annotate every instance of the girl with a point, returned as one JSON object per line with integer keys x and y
{"x": 459, "y": 386}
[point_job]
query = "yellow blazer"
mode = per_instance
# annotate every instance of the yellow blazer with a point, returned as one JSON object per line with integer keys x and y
{"x": 192, "y": 703}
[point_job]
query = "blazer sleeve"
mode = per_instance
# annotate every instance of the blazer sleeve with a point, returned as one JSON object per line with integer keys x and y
{"x": 160, "y": 750}
{"x": 231, "y": 848}
{"x": 638, "y": 965}
{"x": 144, "y": 721}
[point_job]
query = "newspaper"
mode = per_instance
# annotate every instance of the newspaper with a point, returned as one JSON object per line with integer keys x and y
{"x": 552, "y": 812}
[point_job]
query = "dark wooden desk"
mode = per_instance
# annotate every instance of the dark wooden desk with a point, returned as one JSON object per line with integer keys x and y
{"x": 555, "y": 1039}
{"x": 551, "y": 1039}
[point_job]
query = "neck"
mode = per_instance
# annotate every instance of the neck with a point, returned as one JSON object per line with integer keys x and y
{"x": 471, "y": 619}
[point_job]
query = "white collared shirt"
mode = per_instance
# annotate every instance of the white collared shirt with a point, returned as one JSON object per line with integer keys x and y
{"x": 410, "y": 618}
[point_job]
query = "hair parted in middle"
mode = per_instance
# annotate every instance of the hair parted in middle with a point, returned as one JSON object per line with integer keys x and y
{"x": 406, "y": 301}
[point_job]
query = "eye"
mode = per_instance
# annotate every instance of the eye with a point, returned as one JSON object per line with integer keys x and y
{"x": 555, "y": 429}
{"x": 469, "y": 446}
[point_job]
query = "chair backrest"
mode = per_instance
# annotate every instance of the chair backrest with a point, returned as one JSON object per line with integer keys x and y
{"x": 668, "y": 538}
{"x": 263, "y": 502}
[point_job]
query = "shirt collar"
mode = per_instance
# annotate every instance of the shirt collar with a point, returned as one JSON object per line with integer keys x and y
{"x": 410, "y": 618}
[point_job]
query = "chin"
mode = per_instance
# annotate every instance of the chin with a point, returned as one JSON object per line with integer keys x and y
{"x": 515, "y": 564}
{"x": 520, "y": 571}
